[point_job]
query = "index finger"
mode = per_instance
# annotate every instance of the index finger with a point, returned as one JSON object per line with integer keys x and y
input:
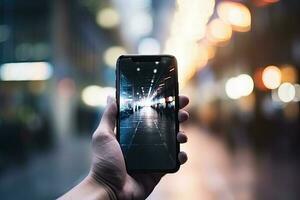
{"x": 183, "y": 101}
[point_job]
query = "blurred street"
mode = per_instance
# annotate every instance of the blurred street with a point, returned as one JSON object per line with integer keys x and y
{"x": 48, "y": 175}
{"x": 212, "y": 172}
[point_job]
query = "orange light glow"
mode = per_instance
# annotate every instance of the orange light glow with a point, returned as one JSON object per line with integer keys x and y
{"x": 271, "y": 1}
{"x": 236, "y": 14}
{"x": 219, "y": 31}
{"x": 189, "y": 26}
{"x": 261, "y": 3}
{"x": 271, "y": 77}
{"x": 289, "y": 74}
{"x": 258, "y": 79}
{"x": 208, "y": 48}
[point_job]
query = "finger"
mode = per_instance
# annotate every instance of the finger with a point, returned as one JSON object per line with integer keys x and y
{"x": 183, "y": 101}
{"x": 108, "y": 119}
{"x": 182, "y": 157}
{"x": 183, "y": 115}
{"x": 181, "y": 137}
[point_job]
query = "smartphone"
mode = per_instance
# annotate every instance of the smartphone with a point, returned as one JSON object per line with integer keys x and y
{"x": 147, "y": 122}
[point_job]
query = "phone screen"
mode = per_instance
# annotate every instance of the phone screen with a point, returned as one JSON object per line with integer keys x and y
{"x": 148, "y": 123}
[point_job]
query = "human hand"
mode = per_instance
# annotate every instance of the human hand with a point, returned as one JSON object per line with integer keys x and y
{"x": 108, "y": 165}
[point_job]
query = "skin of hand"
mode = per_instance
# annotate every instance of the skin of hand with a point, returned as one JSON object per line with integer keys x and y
{"x": 108, "y": 162}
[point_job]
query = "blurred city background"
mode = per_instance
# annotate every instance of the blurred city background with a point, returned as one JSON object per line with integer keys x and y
{"x": 238, "y": 62}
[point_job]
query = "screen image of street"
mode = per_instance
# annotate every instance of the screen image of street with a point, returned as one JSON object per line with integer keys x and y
{"x": 147, "y": 114}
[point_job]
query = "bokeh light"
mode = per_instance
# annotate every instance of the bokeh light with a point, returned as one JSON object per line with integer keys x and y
{"x": 95, "y": 95}
{"x": 239, "y": 86}
{"x": 286, "y": 92}
{"x": 149, "y": 46}
{"x": 289, "y": 73}
{"x": 209, "y": 49}
{"x": 26, "y": 71}
{"x": 111, "y": 55}
{"x": 236, "y": 14}
{"x": 271, "y": 77}
{"x": 66, "y": 87}
{"x": 219, "y": 31}
{"x": 140, "y": 25}
{"x": 246, "y": 84}
{"x": 108, "y": 18}
{"x": 186, "y": 30}
{"x": 231, "y": 88}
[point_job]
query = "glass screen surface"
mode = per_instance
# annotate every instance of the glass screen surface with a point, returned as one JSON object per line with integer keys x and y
{"x": 147, "y": 117}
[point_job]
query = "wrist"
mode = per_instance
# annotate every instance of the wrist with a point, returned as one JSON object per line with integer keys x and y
{"x": 90, "y": 190}
{"x": 101, "y": 184}
{"x": 125, "y": 192}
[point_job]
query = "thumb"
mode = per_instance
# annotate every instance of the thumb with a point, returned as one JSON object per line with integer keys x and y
{"x": 108, "y": 119}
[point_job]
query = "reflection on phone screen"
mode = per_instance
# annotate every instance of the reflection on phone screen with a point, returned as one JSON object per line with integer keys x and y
{"x": 147, "y": 113}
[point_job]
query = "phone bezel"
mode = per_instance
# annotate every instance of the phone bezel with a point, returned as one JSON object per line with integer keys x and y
{"x": 151, "y": 58}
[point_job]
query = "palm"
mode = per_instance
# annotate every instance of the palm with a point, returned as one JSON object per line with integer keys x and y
{"x": 108, "y": 162}
{"x": 114, "y": 172}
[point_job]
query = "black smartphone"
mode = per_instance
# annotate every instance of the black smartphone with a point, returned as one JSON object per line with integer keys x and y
{"x": 147, "y": 122}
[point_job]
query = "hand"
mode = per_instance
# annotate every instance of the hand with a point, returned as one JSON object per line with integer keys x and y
{"x": 108, "y": 166}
